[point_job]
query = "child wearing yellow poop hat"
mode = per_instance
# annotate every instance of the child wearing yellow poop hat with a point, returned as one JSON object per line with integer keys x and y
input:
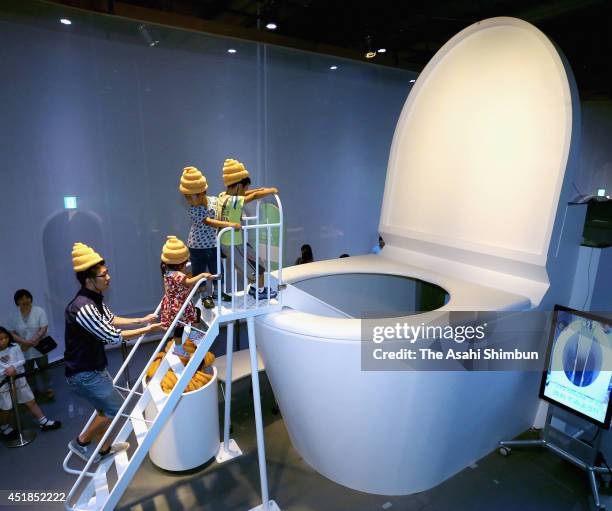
{"x": 202, "y": 241}
{"x": 231, "y": 203}
{"x": 177, "y": 286}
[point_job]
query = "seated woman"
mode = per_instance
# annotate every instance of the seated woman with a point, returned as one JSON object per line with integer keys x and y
{"x": 11, "y": 361}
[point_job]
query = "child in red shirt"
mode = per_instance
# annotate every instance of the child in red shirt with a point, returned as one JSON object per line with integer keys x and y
{"x": 177, "y": 286}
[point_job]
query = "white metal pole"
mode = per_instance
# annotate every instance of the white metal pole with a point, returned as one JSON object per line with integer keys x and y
{"x": 280, "y": 242}
{"x": 257, "y": 256}
{"x": 268, "y": 259}
{"x": 223, "y": 280}
{"x": 245, "y": 286}
{"x": 261, "y": 447}
{"x": 233, "y": 271}
{"x": 228, "y": 384}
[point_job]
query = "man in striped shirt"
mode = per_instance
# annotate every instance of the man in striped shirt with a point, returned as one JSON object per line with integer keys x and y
{"x": 90, "y": 326}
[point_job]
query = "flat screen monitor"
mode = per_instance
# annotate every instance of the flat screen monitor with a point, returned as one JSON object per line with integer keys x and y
{"x": 578, "y": 372}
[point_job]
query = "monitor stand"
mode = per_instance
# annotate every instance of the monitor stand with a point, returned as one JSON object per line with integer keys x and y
{"x": 576, "y": 442}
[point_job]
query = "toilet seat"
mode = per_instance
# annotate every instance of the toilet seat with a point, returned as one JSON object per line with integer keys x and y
{"x": 479, "y": 156}
{"x": 463, "y": 295}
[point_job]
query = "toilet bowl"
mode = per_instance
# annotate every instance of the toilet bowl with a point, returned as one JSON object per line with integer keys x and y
{"x": 475, "y": 218}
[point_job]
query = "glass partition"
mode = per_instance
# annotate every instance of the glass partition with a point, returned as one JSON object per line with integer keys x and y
{"x": 109, "y": 111}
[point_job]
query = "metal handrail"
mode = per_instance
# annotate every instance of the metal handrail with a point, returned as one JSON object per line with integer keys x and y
{"x": 128, "y": 397}
{"x": 115, "y": 380}
{"x": 245, "y": 228}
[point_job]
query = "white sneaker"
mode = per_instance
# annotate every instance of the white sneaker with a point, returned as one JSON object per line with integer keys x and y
{"x": 116, "y": 448}
{"x": 85, "y": 451}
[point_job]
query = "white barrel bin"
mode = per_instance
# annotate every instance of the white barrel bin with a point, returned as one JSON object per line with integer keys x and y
{"x": 191, "y": 436}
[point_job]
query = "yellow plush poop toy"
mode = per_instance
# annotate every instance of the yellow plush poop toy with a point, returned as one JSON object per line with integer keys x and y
{"x": 84, "y": 257}
{"x": 174, "y": 251}
{"x": 233, "y": 172}
{"x": 192, "y": 182}
{"x": 199, "y": 379}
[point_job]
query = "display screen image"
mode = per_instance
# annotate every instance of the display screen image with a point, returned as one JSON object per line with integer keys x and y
{"x": 578, "y": 372}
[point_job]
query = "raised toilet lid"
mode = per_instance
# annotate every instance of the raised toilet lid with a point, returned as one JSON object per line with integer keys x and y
{"x": 479, "y": 154}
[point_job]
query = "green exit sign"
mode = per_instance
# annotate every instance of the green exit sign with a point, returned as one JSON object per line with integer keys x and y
{"x": 70, "y": 203}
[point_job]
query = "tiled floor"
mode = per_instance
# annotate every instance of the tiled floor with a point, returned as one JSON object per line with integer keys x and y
{"x": 527, "y": 480}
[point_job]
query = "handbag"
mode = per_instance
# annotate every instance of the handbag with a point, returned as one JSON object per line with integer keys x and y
{"x": 46, "y": 344}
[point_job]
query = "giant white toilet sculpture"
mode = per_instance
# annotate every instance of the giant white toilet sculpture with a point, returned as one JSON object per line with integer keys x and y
{"x": 475, "y": 202}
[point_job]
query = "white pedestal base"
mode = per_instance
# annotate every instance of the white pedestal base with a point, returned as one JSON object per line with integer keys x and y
{"x": 176, "y": 448}
{"x": 232, "y": 452}
{"x": 272, "y": 506}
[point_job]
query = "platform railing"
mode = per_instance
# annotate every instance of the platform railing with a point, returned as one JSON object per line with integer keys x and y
{"x": 246, "y": 229}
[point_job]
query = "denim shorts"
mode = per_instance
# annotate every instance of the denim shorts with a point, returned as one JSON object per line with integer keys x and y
{"x": 203, "y": 259}
{"x": 97, "y": 388}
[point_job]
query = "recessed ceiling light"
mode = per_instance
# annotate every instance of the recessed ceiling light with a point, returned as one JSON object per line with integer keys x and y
{"x": 65, "y": 21}
{"x": 370, "y": 54}
{"x": 382, "y": 50}
{"x": 333, "y": 68}
{"x": 271, "y": 26}
{"x": 231, "y": 50}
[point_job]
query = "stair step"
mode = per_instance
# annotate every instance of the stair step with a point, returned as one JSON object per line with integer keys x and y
{"x": 175, "y": 364}
{"x": 121, "y": 462}
{"x": 243, "y": 302}
{"x": 140, "y": 426}
{"x": 157, "y": 394}
{"x": 101, "y": 484}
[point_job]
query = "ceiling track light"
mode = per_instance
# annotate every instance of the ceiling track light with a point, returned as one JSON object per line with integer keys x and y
{"x": 268, "y": 15}
{"x": 370, "y": 53}
{"x": 144, "y": 32}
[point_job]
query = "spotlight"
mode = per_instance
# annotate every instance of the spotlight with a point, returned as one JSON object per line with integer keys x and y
{"x": 333, "y": 68}
{"x": 65, "y": 21}
{"x": 147, "y": 36}
{"x": 412, "y": 81}
{"x": 271, "y": 26}
{"x": 231, "y": 50}
{"x": 370, "y": 53}
{"x": 382, "y": 50}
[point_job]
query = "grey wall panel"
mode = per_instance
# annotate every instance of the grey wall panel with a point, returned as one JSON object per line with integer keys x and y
{"x": 91, "y": 111}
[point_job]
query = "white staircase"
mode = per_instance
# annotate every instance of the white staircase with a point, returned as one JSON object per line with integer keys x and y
{"x": 100, "y": 486}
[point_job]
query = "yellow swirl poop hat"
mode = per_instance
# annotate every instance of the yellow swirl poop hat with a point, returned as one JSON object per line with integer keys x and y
{"x": 84, "y": 257}
{"x": 233, "y": 172}
{"x": 192, "y": 182}
{"x": 174, "y": 251}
